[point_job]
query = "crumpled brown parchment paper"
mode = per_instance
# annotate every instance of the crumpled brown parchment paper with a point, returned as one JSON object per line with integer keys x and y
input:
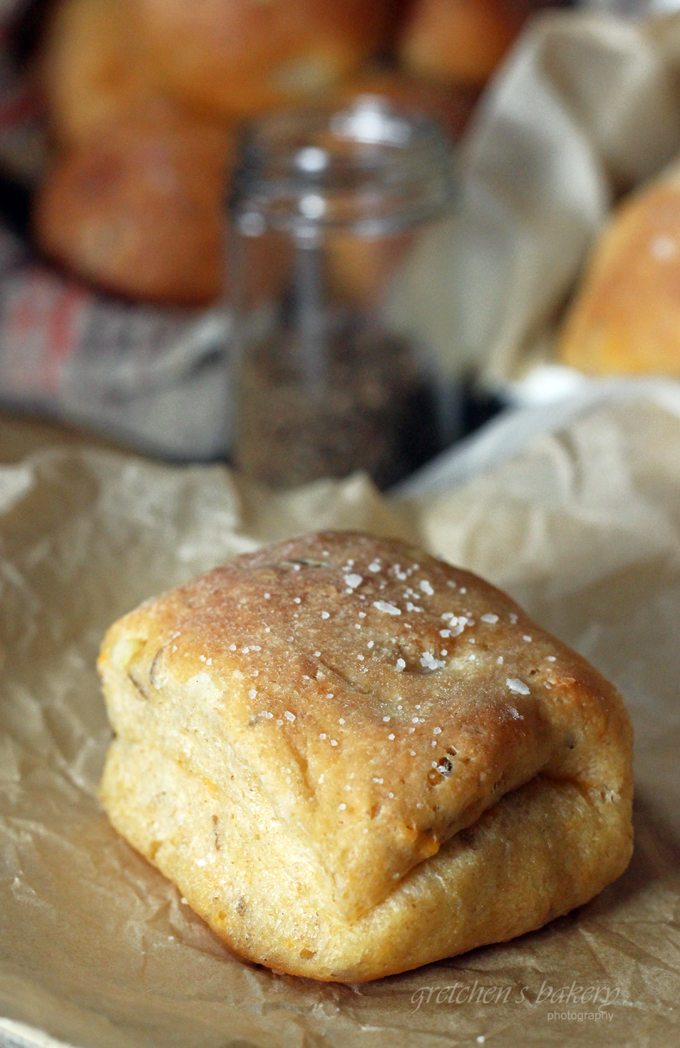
{"x": 96, "y": 949}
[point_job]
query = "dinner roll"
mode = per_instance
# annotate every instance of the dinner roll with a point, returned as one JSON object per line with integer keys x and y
{"x": 138, "y": 208}
{"x": 458, "y": 40}
{"x": 625, "y": 318}
{"x": 92, "y": 66}
{"x": 353, "y": 759}
{"x": 242, "y": 56}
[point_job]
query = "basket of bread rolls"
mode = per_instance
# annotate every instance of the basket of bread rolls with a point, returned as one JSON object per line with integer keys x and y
{"x": 144, "y": 99}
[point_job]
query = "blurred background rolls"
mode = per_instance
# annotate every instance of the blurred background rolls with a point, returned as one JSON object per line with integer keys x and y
{"x": 143, "y": 99}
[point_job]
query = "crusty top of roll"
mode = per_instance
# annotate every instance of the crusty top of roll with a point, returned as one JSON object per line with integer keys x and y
{"x": 381, "y": 698}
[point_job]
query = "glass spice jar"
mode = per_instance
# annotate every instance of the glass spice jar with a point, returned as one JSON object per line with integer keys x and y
{"x": 327, "y": 209}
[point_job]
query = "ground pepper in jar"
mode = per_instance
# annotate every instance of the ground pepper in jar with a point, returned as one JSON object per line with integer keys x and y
{"x": 328, "y": 207}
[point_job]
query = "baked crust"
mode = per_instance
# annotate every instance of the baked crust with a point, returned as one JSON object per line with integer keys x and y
{"x": 92, "y": 67}
{"x": 354, "y": 759}
{"x": 459, "y": 42}
{"x": 236, "y": 57}
{"x": 137, "y": 207}
{"x": 625, "y": 318}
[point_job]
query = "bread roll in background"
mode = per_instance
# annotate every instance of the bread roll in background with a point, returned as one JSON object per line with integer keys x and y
{"x": 141, "y": 94}
{"x": 242, "y": 56}
{"x": 92, "y": 66}
{"x": 458, "y": 40}
{"x": 138, "y": 209}
{"x": 625, "y": 318}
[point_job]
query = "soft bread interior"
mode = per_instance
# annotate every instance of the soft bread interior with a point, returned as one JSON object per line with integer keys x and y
{"x": 542, "y": 850}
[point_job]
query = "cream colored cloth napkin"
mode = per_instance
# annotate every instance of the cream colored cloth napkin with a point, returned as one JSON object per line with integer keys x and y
{"x": 585, "y": 107}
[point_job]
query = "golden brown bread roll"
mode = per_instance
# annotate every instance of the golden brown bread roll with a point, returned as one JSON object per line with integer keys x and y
{"x": 138, "y": 209}
{"x": 242, "y": 56}
{"x": 353, "y": 759}
{"x": 458, "y": 40}
{"x": 92, "y": 66}
{"x": 625, "y": 318}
